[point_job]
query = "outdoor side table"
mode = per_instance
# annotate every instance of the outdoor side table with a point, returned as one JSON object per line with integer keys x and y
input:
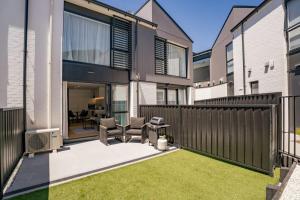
{"x": 85, "y": 123}
{"x": 154, "y": 131}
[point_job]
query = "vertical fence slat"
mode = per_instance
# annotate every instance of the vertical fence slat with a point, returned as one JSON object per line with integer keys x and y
{"x": 257, "y": 140}
{"x": 11, "y": 142}
{"x": 214, "y": 130}
{"x": 249, "y": 137}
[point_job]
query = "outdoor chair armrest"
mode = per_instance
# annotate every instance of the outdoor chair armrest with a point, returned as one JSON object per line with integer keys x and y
{"x": 102, "y": 127}
{"x": 119, "y": 125}
{"x": 144, "y": 126}
{"x": 126, "y": 127}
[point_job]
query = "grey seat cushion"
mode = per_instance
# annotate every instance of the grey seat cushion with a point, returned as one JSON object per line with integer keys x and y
{"x": 114, "y": 132}
{"x": 134, "y": 132}
{"x": 137, "y": 122}
{"x": 109, "y": 123}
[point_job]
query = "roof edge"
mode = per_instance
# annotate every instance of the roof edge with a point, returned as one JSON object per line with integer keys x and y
{"x": 173, "y": 20}
{"x": 250, "y": 14}
{"x": 233, "y": 7}
{"x": 142, "y": 6}
{"x": 122, "y": 12}
{"x": 202, "y": 52}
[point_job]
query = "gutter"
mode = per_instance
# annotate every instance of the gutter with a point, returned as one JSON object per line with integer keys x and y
{"x": 126, "y": 14}
{"x": 243, "y": 56}
{"x": 25, "y": 63}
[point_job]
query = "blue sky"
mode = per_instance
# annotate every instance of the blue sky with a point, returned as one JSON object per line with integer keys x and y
{"x": 201, "y": 19}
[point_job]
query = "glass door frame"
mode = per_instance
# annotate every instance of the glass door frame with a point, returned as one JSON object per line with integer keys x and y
{"x": 109, "y": 93}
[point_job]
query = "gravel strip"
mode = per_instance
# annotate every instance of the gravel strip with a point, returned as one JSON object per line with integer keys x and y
{"x": 292, "y": 190}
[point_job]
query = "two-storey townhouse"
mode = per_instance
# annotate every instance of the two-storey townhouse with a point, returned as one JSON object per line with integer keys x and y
{"x": 71, "y": 62}
{"x": 221, "y": 82}
{"x": 165, "y": 68}
{"x": 259, "y": 50}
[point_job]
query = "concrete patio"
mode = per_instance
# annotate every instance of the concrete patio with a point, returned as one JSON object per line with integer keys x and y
{"x": 76, "y": 160}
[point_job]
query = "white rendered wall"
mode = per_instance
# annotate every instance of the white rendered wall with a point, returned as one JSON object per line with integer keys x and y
{"x": 264, "y": 43}
{"x": 211, "y": 92}
{"x": 44, "y": 67}
{"x": 133, "y": 99}
{"x": 147, "y": 95}
{"x": 238, "y": 63}
{"x": 12, "y": 14}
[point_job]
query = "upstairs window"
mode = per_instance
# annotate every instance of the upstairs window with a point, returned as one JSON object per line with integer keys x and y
{"x": 170, "y": 59}
{"x": 176, "y": 60}
{"x": 293, "y": 17}
{"x": 86, "y": 40}
{"x": 229, "y": 58}
{"x": 91, "y": 41}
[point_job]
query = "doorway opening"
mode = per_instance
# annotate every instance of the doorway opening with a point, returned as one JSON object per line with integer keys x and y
{"x": 87, "y": 103}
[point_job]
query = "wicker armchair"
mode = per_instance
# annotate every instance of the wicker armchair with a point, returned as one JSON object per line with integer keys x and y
{"x": 137, "y": 127}
{"x": 109, "y": 128}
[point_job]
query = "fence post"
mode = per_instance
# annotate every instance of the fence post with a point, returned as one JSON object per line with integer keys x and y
{"x": 1, "y": 161}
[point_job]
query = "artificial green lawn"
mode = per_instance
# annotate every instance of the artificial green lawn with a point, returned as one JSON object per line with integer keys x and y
{"x": 178, "y": 175}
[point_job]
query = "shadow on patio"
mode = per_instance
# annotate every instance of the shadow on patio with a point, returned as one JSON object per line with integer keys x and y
{"x": 74, "y": 161}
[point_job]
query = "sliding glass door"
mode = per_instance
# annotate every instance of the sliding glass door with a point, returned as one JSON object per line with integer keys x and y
{"x": 119, "y": 103}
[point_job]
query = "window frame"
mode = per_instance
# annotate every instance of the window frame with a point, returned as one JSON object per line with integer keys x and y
{"x": 109, "y": 21}
{"x": 166, "y": 89}
{"x": 165, "y": 60}
{"x": 89, "y": 17}
{"x": 290, "y": 29}
{"x": 228, "y": 61}
{"x": 165, "y": 95}
{"x": 166, "y": 57}
{"x": 251, "y": 88}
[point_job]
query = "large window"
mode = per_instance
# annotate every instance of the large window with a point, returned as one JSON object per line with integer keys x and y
{"x": 86, "y": 40}
{"x": 229, "y": 58}
{"x": 293, "y": 16}
{"x": 166, "y": 96}
{"x": 176, "y": 60}
{"x": 170, "y": 59}
{"x": 91, "y": 41}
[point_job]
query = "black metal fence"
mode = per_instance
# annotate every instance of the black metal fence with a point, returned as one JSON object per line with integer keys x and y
{"x": 290, "y": 137}
{"x": 11, "y": 142}
{"x": 242, "y": 134}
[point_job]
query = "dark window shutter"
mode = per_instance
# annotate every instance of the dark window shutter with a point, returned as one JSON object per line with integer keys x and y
{"x": 121, "y": 43}
{"x": 160, "y": 56}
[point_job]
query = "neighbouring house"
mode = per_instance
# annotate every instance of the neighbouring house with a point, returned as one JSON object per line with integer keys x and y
{"x": 201, "y": 65}
{"x": 221, "y": 81}
{"x": 86, "y": 59}
{"x": 260, "y": 49}
{"x": 257, "y": 53}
